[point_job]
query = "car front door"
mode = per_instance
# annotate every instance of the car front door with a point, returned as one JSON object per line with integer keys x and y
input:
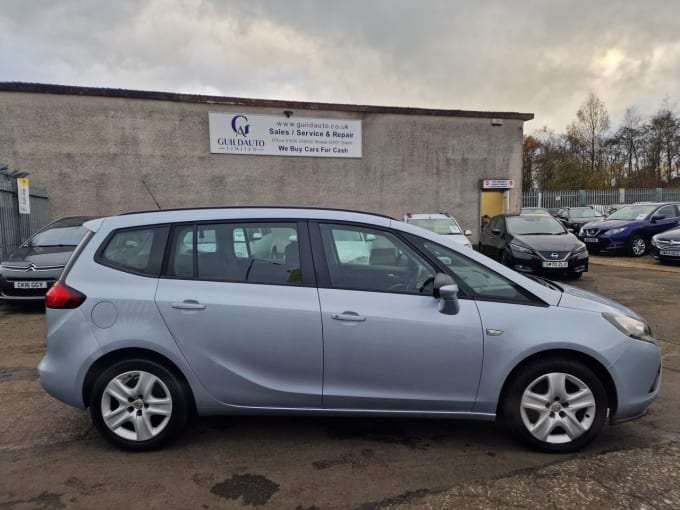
{"x": 671, "y": 219}
{"x": 246, "y": 319}
{"x": 386, "y": 345}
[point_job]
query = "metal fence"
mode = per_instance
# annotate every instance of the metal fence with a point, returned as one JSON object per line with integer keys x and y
{"x": 575, "y": 198}
{"x": 15, "y": 227}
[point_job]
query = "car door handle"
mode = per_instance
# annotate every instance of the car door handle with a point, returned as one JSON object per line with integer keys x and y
{"x": 348, "y": 316}
{"x": 189, "y": 304}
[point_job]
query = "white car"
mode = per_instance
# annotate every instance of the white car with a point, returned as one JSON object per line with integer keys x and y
{"x": 440, "y": 223}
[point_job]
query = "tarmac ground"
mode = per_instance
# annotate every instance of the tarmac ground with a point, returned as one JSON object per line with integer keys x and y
{"x": 51, "y": 458}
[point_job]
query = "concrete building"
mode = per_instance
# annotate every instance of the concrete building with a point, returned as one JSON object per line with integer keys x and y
{"x": 104, "y": 151}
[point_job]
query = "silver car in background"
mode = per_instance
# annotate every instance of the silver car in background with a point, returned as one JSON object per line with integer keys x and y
{"x": 159, "y": 315}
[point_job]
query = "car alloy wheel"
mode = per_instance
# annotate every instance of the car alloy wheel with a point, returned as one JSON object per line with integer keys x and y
{"x": 557, "y": 408}
{"x": 139, "y": 404}
{"x": 556, "y": 405}
{"x": 638, "y": 246}
{"x": 136, "y": 405}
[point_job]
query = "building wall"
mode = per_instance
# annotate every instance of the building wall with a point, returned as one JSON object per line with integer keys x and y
{"x": 96, "y": 155}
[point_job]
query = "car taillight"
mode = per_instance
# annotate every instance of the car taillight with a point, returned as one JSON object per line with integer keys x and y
{"x": 63, "y": 296}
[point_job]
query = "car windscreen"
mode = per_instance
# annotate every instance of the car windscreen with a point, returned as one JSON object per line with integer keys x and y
{"x": 534, "y": 225}
{"x": 632, "y": 212}
{"x": 58, "y": 236}
{"x": 438, "y": 225}
{"x": 584, "y": 213}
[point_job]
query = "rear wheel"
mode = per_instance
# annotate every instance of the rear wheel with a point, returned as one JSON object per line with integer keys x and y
{"x": 556, "y": 405}
{"x": 139, "y": 404}
{"x": 638, "y": 246}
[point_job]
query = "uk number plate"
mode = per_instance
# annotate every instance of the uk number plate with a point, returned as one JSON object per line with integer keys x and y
{"x": 555, "y": 264}
{"x": 590, "y": 239}
{"x": 30, "y": 285}
{"x": 670, "y": 253}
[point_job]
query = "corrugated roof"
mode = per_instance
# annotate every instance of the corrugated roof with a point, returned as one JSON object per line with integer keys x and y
{"x": 41, "y": 88}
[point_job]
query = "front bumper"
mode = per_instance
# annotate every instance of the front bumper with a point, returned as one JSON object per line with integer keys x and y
{"x": 601, "y": 242}
{"x": 637, "y": 376}
{"x": 669, "y": 254}
{"x": 30, "y": 285}
{"x": 531, "y": 263}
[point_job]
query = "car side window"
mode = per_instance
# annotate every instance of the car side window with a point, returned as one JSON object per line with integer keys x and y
{"x": 362, "y": 258}
{"x": 669, "y": 211}
{"x": 474, "y": 279}
{"x": 138, "y": 250}
{"x": 496, "y": 224}
{"x": 236, "y": 252}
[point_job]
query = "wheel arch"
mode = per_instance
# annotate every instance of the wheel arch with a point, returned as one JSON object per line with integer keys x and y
{"x": 563, "y": 354}
{"x": 129, "y": 353}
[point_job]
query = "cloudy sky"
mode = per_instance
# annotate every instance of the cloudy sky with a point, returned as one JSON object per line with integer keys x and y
{"x": 538, "y": 56}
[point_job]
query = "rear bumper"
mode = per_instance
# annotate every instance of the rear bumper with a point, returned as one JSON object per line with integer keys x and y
{"x": 71, "y": 349}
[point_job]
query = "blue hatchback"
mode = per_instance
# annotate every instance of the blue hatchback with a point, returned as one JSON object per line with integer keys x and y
{"x": 630, "y": 228}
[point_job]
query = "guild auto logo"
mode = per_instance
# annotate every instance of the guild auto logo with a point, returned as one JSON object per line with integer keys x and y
{"x": 239, "y": 124}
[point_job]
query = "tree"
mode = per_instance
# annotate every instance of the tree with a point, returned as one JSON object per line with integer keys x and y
{"x": 587, "y": 135}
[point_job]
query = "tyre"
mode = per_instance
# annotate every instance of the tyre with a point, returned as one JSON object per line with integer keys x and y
{"x": 638, "y": 246}
{"x": 556, "y": 405}
{"x": 139, "y": 404}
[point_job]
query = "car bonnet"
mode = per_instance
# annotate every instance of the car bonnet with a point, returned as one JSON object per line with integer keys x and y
{"x": 574, "y": 297}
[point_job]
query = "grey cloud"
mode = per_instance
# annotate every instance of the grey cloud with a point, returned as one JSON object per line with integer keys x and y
{"x": 536, "y": 56}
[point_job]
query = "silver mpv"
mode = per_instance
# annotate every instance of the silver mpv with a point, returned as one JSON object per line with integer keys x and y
{"x": 164, "y": 314}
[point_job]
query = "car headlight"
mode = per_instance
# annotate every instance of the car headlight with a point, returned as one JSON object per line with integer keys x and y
{"x": 520, "y": 248}
{"x": 580, "y": 232}
{"x": 631, "y": 326}
{"x": 580, "y": 249}
{"x": 614, "y": 231}
{"x": 655, "y": 243}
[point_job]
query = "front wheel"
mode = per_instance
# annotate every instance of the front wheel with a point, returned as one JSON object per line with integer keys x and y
{"x": 638, "y": 246}
{"x": 556, "y": 405}
{"x": 139, "y": 404}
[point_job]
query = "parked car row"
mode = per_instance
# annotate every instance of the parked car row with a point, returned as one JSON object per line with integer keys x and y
{"x": 30, "y": 271}
{"x": 630, "y": 228}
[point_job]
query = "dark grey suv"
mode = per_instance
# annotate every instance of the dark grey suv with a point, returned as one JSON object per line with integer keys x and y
{"x": 33, "y": 267}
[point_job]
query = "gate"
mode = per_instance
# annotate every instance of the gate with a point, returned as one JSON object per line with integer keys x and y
{"x": 15, "y": 227}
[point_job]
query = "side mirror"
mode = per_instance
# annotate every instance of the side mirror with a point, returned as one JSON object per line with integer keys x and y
{"x": 468, "y": 232}
{"x": 658, "y": 217}
{"x": 441, "y": 280}
{"x": 257, "y": 236}
{"x": 449, "y": 304}
{"x": 370, "y": 237}
{"x": 571, "y": 230}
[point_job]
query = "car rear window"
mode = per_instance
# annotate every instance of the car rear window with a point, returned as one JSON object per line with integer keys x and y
{"x": 138, "y": 250}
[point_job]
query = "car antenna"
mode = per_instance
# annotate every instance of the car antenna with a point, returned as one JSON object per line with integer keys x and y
{"x": 149, "y": 191}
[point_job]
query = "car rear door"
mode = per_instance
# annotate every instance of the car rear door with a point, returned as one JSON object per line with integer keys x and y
{"x": 248, "y": 323}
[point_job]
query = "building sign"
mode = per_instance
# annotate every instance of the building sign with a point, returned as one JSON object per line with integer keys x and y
{"x": 498, "y": 184}
{"x": 272, "y": 135}
{"x": 23, "y": 196}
